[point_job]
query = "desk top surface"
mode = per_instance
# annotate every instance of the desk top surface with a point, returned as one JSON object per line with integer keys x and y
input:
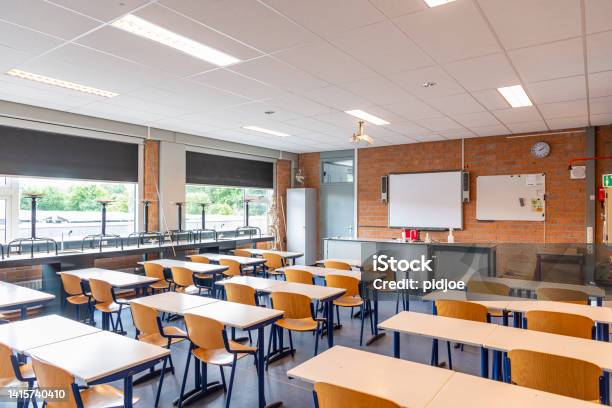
{"x": 95, "y": 355}
{"x": 193, "y": 266}
{"x": 236, "y": 314}
{"x": 596, "y": 313}
{"x": 493, "y": 302}
{"x": 405, "y": 382}
{"x": 117, "y": 279}
{"x": 319, "y": 271}
{"x": 355, "y": 263}
{"x": 314, "y": 292}
{"x": 242, "y": 260}
{"x": 39, "y": 331}
{"x": 533, "y": 285}
{"x": 256, "y": 283}
{"x": 173, "y": 302}
{"x": 15, "y": 296}
{"x": 284, "y": 254}
{"x": 439, "y": 327}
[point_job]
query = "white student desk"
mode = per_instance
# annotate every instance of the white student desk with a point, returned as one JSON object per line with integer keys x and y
{"x": 102, "y": 357}
{"x": 17, "y": 297}
{"x": 259, "y": 284}
{"x": 117, "y": 279}
{"x": 283, "y": 254}
{"x": 40, "y": 331}
{"x": 195, "y": 267}
{"x": 173, "y": 302}
{"x": 242, "y": 260}
{"x": 322, "y": 272}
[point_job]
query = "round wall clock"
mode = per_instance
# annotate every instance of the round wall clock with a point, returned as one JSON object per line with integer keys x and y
{"x": 540, "y": 150}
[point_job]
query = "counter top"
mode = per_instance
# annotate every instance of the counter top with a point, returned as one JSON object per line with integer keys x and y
{"x": 397, "y": 241}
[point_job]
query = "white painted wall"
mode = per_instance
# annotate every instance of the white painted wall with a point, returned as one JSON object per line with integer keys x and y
{"x": 172, "y": 180}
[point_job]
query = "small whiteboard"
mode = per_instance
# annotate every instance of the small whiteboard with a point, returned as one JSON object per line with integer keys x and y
{"x": 517, "y": 197}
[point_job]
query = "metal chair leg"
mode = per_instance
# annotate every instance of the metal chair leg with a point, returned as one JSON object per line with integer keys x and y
{"x": 180, "y": 401}
{"x": 231, "y": 382}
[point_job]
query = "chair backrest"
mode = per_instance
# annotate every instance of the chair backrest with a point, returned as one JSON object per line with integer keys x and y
{"x": 299, "y": 276}
{"x": 233, "y": 267}
{"x": 556, "y": 374}
{"x": 183, "y": 277}
{"x": 239, "y": 293}
{"x": 337, "y": 265}
{"x": 101, "y": 291}
{"x": 204, "y": 332}
{"x": 145, "y": 319}
{"x": 490, "y": 288}
{"x": 344, "y": 282}
{"x": 295, "y": 305}
{"x": 153, "y": 270}
{"x": 460, "y": 309}
{"x": 273, "y": 261}
{"x": 242, "y": 252}
{"x": 6, "y": 369}
{"x": 563, "y": 295}
{"x": 50, "y": 376}
{"x": 71, "y": 284}
{"x": 566, "y": 324}
{"x": 200, "y": 259}
{"x": 334, "y": 396}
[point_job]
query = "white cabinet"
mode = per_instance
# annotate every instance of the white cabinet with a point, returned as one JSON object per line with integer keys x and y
{"x": 302, "y": 223}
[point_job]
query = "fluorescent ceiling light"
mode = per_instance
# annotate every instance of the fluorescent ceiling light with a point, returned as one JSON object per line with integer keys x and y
{"x": 515, "y": 95}
{"x": 264, "y": 130}
{"x": 435, "y": 3}
{"x": 58, "y": 82}
{"x": 375, "y": 120}
{"x": 143, "y": 28}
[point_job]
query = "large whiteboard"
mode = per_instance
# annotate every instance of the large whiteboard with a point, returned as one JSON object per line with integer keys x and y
{"x": 426, "y": 200}
{"x": 516, "y": 197}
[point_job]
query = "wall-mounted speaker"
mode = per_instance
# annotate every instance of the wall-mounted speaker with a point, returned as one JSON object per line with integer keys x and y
{"x": 465, "y": 188}
{"x": 384, "y": 188}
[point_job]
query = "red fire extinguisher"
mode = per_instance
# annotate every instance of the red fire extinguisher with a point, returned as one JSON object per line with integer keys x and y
{"x": 601, "y": 194}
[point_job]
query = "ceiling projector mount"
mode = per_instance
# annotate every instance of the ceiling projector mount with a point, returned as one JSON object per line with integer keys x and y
{"x": 360, "y": 136}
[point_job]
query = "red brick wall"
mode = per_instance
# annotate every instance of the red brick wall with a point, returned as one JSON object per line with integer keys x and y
{"x": 497, "y": 155}
{"x": 310, "y": 163}
{"x": 151, "y": 178}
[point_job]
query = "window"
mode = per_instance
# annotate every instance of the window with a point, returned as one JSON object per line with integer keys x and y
{"x": 69, "y": 209}
{"x": 226, "y": 207}
{"x": 338, "y": 171}
{"x": 3, "y": 220}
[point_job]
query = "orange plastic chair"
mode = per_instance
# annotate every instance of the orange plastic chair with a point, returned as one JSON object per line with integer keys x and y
{"x": 566, "y": 324}
{"x": 333, "y": 396}
{"x": 351, "y": 298}
{"x": 107, "y": 304}
{"x": 337, "y": 265}
{"x": 563, "y": 295}
{"x": 273, "y": 262}
{"x": 75, "y": 295}
{"x": 299, "y": 276}
{"x": 12, "y": 374}
{"x": 183, "y": 280}
{"x": 153, "y": 270}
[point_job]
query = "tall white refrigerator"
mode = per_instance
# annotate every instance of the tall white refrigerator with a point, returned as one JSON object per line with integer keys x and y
{"x": 302, "y": 224}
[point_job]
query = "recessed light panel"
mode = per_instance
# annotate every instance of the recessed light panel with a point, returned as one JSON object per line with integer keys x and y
{"x": 436, "y": 3}
{"x": 264, "y": 130}
{"x": 61, "y": 83}
{"x": 153, "y": 32}
{"x": 515, "y": 95}
{"x": 375, "y": 120}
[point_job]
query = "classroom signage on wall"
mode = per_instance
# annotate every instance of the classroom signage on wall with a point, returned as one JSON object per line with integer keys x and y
{"x": 607, "y": 180}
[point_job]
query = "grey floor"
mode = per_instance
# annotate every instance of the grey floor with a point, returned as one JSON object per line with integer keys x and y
{"x": 293, "y": 392}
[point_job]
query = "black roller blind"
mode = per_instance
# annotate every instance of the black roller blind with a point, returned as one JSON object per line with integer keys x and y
{"x": 25, "y": 152}
{"x": 228, "y": 171}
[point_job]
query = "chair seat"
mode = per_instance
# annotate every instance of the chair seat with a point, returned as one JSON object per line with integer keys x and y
{"x": 108, "y": 307}
{"x": 203, "y": 276}
{"x": 158, "y": 340}
{"x": 305, "y": 324}
{"x": 274, "y": 272}
{"x": 221, "y": 356}
{"x": 348, "y": 301}
{"x": 26, "y": 372}
{"x": 160, "y": 285}
{"x": 77, "y": 299}
{"x": 103, "y": 396}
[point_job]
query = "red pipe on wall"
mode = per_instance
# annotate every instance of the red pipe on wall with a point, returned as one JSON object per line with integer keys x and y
{"x": 588, "y": 159}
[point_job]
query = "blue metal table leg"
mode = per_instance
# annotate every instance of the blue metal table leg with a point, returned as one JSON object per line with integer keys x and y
{"x": 484, "y": 362}
{"x": 396, "y": 344}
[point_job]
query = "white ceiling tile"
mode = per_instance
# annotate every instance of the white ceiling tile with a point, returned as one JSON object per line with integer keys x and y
{"x": 298, "y": 104}
{"x": 101, "y": 10}
{"x": 46, "y": 18}
{"x": 516, "y": 115}
{"x": 491, "y": 99}
{"x": 455, "y": 31}
{"x": 337, "y": 98}
{"x": 24, "y": 40}
{"x": 412, "y": 109}
{"x": 115, "y": 112}
{"x": 314, "y": 125}
{"x": 383, "y": 47}
{"x": 10, "y": 58}
{"x": 236, "y": 83}
{"x": 490, "y": 130}
{"x": 377, "y": 89}
{"x": 526, "y": 127}
{"x": 407, "y": 128}
{"x": 601, "y": 105}
{"x": 522, "y": 23}
{"x": 257, "y": 112}
{"x": 598, "y": 51}
{"x": 491, "y": 71}
{"x": 137, "y": 104}
{"x": 597, "y": 13}
{"x": 329, "y": 17}
{"x": 201, "y": 97}
{"x": 600, "y": 84}
{"x": 476, "y": 119}
{"x": 142, "y": 51}
{"x": 326, "y": 62}
{"x": 339, "y": 119}
{"x": 399, "y": 140}
{"x": 429, "y": 138}
{"x": 456, "y": 104}
{"x": 413, "y": 80}
{"x": 39, "y": 94}
{"x": 278, "y": 73}
{"x": 395, "y": 8}
{"x": 438, "y": 124}
{"x": 248, "y": 21}
{"x": 557, "y": 90}
{"x": 567, "y": 123}
{"x": 456, "y": 133}
{"x": 549, "y": 61}
{"x": 564, "y": 109}
{"x": 601, "y": 119}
